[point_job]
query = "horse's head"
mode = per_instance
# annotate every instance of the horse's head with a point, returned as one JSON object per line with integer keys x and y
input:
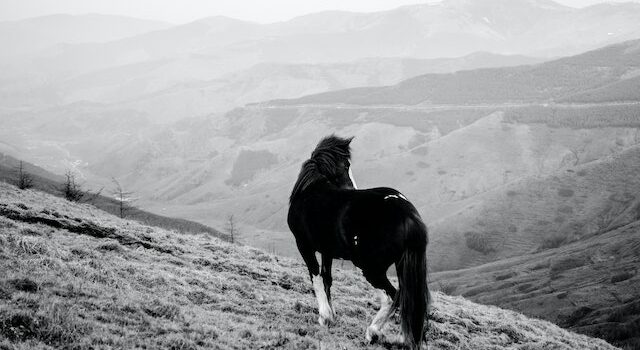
{"x": 329, "y": 161}
{"x": 332, "y": 158}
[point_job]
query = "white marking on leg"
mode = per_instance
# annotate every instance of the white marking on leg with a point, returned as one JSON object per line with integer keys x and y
{"x": 324, "y": 309}
{"x": 355, "y": 187}
{"x": 374, "y": 331}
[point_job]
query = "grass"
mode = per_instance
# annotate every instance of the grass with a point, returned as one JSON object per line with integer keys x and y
{"x": 138, "y": 286}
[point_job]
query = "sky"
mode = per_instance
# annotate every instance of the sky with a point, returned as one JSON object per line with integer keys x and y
{"x": 182, "y": 11}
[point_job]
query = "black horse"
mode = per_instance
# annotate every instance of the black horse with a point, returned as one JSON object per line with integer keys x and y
{"x": 373, "y": 228}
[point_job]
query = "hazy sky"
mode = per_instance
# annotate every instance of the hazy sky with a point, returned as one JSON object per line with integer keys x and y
{"x": 181, "y": 11}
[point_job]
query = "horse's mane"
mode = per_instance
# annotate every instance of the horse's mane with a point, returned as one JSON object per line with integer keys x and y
{"x": 324, "y": 158}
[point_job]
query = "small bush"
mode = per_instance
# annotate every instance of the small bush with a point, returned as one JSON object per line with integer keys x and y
{"x": 24, "y": 285}
{"x": 621, "y": 277}
{"x": 478, "y": 242}
{"x": 28, "y": 245}
{"x": 447, "y": 288}
{"x": 54, "y": 325}
{"x": 552, "y": 242}
{"x": 110, "y": 247}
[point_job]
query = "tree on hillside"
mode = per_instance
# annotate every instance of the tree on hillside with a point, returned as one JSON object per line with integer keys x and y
{"x": 25, "y": 180}
{"x": 232, "y": 227}
{"x": 123, "y": 198}
{"x": 71, "y": 190}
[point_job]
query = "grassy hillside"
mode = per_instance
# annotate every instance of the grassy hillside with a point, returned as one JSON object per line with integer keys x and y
{"x": 80, "y": 278}
{"x": 591, "y": 286}
{"x": 51, "y": 183}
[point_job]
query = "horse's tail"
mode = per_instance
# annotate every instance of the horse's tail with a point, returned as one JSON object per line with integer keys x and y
{"x": 413, "y": 294}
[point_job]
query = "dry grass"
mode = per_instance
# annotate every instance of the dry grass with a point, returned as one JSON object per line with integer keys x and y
{"x": 138, "y": 286}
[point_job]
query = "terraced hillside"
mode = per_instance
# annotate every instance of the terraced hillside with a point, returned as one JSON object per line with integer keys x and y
{"x": 74, "y": 276}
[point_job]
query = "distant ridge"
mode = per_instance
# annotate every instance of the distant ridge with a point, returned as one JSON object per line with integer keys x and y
{"x": 567, "y": 79}
{"x": 19, "y": 37}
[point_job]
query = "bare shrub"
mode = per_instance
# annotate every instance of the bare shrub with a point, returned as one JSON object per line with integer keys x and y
{"x": 24, "y": 180}
{"x": 71, "y": 190}
{"x": 122, "y": 197}
{"x": 232, "y": 227}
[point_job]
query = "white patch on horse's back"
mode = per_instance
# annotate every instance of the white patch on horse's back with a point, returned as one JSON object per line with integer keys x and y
{"x": 396, "y": 196}
{"x": 324, "y": 309}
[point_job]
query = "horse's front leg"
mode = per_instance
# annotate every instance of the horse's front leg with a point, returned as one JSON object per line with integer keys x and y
{"x": 327, "y": 280}
{"x": 319, "y": 285}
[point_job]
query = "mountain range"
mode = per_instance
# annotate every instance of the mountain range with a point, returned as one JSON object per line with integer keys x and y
{"x": 191, "y": 63}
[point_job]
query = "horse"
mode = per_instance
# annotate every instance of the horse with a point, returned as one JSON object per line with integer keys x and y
{"x": 374, "y": 228}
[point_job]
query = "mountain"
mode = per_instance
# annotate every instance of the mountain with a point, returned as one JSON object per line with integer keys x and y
{"x": 446, "y": 29}
{"x": 214, "y": 48}
{"x": 589, "y": 286}
{"x": 25, "y": 36}
{"x": 109, "y": 282}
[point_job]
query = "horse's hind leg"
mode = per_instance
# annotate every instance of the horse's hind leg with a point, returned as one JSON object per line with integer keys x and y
{"x": 324, "y": 308}
{"x": 387, "y": 292}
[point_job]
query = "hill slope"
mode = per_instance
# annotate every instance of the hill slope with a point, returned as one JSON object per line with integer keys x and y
{"x": 591, "y": 286}
{"x": 82, "y": 278}
{"x": 51, "y": 183}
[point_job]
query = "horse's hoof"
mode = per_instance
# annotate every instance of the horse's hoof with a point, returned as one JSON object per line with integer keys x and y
{"x": 326, "y": 321}
{"x": 372, "y": 335}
